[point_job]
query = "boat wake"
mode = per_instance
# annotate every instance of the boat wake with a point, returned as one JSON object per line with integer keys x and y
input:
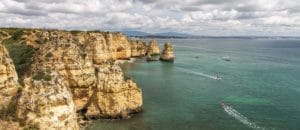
{"x": 238, "y": 116}
{"x": 201, "y": 74}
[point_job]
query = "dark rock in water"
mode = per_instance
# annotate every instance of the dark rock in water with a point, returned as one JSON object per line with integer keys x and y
{"x": 149, "y": 58}
{"x": 168, "y": 53}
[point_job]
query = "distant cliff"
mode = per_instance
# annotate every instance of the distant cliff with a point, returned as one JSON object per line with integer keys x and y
{"x": 64, "y": 72}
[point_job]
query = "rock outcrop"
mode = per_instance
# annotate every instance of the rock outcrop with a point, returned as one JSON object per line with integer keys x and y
{"x": 153, "y": 48}
{"x": 9, "y": 85}
{"x": 114, "y": 96}
{"x": 71, "y": 62}
{"x": 3, "y": 35}
{"x": 47, "y": 104}
{"x": 9, "y": 91}
{"x": 138, "y": 48}
{"x": 168, "y": 53}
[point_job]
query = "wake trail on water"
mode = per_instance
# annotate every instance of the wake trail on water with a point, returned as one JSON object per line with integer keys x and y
{"x": 199, "y": 74}
{"x": 238, "y": 116}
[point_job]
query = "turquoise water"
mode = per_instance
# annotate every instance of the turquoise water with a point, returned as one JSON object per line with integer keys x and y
{"x": 261, "y": 86}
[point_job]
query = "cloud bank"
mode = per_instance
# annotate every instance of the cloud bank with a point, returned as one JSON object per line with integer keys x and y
{"x": 200, "y": 17}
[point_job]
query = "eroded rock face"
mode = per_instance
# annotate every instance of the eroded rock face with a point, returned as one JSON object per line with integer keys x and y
{"x": 121, "y": 46}
{"x": 138, "y": 48}
{"x": 84, "y": 63}
{"x": 3, "y": 35}
{"x": 168, "y": 53}
{"x": 72, "y": 63}
{"x": 8, "y": 79}
{"x": 73, "y": 71}
{"x": 114, "y": 96}
{"x": 47, "y": 104}
{"x": 153, "y": 48}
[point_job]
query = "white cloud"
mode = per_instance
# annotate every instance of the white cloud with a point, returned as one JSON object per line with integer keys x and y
{"x": 282, "y": 20}
{"x": 203, "y": 17}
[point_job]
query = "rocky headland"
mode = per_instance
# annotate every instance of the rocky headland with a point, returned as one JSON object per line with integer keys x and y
{"x": 52, "y": 79}
{"x": 56, "y": 79}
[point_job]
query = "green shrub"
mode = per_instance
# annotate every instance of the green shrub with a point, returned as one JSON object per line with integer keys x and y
{"x": 9, "y": 111}
{"x": 41, "y": 75}
{"x": 31, "y": 126}
{"x": 75, "y": 32}
{"x": 49, "y": 55}
{"x": 17, "y": 35}
{"x": 83, "y": 55}
{"x": 21, "y": 55}
{"x": 10, "y": 31}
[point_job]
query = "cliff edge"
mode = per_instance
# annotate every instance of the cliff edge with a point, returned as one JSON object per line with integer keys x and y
{"x": 68, "y": 72}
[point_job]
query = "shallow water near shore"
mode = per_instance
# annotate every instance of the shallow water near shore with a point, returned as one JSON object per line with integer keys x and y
{"x": 261, "y": 85}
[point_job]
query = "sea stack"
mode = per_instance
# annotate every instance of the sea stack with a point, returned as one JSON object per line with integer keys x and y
{"x": 153, "y": 48}
{"x": 168, "y": 53}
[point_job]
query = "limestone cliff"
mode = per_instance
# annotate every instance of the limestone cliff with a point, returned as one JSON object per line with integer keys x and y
{"x": 168, "y": 53}
{"x": 80, "y": 59}
{"x": 138, "y": 48}
{"x": 114, "y": 96}
{"x": 63, "y": 54}
{"x": 8, "y": 80}
{"x": 3, "y": 35}
{"x": 47, "y": 104}
{"x": 72, "y": 71}
{"x": 153, "y": 48}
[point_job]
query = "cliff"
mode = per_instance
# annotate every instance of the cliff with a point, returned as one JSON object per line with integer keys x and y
{"x": 47, "y": 104}
{"x": 153, "y": 48}
{"x": 70, "y": 72}
{"x": 9, "y": 91}
{"x": 114, "y": 96}
{"x": 9, "y": 85}
{"x": 168, "y": 53}
{"x": 138, "y": 48}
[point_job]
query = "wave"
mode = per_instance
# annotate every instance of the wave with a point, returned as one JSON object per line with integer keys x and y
{"x": 124, "y": 61}
{"x": 238, "y": 116}
{"x": 200, "y": 74}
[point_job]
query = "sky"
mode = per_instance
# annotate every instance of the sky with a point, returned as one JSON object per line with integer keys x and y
{"x": 198, "y": 17}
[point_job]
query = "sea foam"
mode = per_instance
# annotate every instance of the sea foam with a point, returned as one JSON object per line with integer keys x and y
{"x": 198, "y": 74}
{"x": 238, "y": 116}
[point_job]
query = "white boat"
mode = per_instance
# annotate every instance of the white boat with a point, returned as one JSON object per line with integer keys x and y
{"x": 224, "y": 105}
{"x": 218, "y": 77}
{"x": 226, "y": 58}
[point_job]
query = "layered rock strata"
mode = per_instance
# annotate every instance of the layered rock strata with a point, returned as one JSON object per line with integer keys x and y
{"x": 167, "y": 53}
{"x": 153, "y": 48}
{"x": 9, "y": 91}
{"x": 138, "y": 48}
{"x": 114, "y": 96}
{"x": 72, "y": 71}
{"x": 9, "y": 85}
{"x": 47, "y": 104}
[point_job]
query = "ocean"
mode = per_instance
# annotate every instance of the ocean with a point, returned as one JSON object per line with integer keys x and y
{"x": 260, "y": 87}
